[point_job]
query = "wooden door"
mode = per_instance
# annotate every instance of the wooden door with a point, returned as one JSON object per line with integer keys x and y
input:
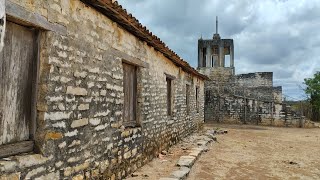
{"x": 17, "y": 61}
{"x": 130, "y": 93}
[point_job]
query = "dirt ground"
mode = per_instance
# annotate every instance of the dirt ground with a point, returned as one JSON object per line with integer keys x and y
{"x": 164, "y": 165}
{"x": 246, "y": 152}
{"x": 257, "y": 152}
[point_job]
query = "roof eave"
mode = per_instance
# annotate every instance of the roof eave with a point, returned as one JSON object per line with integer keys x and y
{"x": 119, "y": 15}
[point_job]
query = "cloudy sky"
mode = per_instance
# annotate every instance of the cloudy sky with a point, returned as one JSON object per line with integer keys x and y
{"x": 282, "y": 36}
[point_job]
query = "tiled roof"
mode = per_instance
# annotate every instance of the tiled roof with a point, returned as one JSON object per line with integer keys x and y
{"x": 119, "y": 15}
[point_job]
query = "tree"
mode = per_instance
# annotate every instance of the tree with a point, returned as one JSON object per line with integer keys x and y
{"x": 313, "y": 91}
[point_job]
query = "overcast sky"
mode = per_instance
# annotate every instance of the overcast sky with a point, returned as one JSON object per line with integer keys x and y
{"x": 282, "y": 36}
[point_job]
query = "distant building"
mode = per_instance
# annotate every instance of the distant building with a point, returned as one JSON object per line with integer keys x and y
{"x": 243, "y": 98}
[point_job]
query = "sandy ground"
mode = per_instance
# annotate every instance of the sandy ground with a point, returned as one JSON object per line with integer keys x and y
{"x": 246, "y": 152}
{"x": 164, "y": 165}
{"x": 257, "y": 152}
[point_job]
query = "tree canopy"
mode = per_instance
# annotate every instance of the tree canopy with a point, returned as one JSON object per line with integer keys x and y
{"x": 313, "y": 90}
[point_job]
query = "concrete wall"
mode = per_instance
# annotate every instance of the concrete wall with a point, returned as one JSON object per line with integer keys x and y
{"x": 80, "y": 100}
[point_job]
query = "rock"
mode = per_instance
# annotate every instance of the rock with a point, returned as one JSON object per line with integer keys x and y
{"x": 196, "y": 152}
{"x": 164, "y": 152}
{"x": 198, "y": 149}
{"x": 292, "y": 163}
{"x": 205, "y": 149}
{"x": 186, "y": 161}
{"x": 169, "y": 178}
{"x": 205, "y": 138}
{"x": 225, "y": 131}
{"x": 213, "y": 132}
{"x": 160, "y": 156}
{"x": 211, "y": 136}
{"x": 181, "y": 173}
{"x": 220, "y": 132}
{"x": 7, "y": 166}
{"x": 214, "y": 138}
{"x": 202, "y": 143}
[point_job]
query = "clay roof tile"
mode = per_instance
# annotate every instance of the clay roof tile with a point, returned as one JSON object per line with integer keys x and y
{"x": 120, "y": 15}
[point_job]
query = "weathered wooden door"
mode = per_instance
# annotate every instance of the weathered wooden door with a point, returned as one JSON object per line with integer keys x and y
{"x": 17, "y": 61}
{"x": 130, "y": 93}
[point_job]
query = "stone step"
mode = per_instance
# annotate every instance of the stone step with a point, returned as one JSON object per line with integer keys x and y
{"x": 181, "y": 173}
{"x": 169, "y": 178}
{"x": 186, "y": 161}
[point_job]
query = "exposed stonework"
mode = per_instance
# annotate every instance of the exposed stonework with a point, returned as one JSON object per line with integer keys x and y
{"x": 80, "y": 132}
{"x": 242, "y": 98}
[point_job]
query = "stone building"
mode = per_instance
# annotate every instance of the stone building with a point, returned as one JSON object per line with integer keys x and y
{"x": 242, "y": 98}
{"x": 88, "y": 92}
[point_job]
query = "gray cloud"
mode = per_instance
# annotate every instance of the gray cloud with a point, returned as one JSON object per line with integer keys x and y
{"x": 273, "y": 35}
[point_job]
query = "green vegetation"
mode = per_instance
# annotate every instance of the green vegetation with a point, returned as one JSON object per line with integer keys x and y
{"x": 313, "y": 91}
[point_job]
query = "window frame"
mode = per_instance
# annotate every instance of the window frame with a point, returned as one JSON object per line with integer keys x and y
{"x": 171, "y": 78}
{"x": 170, "y": 107}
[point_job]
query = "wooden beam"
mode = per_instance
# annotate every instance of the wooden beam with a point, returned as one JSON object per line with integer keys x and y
{"x": 16, "y": 148}
{"x": 170, "y": 76}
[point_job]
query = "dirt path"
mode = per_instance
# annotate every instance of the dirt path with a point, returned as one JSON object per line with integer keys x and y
{"x": 255, "y": 152}
{"x": 164, "y": 165}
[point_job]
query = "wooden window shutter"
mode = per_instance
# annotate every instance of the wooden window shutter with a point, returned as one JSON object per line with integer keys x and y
{"x": 130, "y": 94}
{"x": 197, "y": 99}
{"x": 169, "y": 96}
{"x": 187, "y": 97}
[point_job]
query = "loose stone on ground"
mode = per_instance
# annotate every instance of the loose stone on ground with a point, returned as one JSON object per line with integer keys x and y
{"x": 185, "y": 163}
{"x": 176, "y": 162}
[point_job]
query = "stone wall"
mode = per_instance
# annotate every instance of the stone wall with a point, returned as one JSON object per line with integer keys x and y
{"x": 80, "y": 99}
{"x": 237, "y": 109}
{"x": 277, "y": 94}
{"x": 218, "y": 74}
{"x": 244, "y": 98}
{"x": 255, "y": 79}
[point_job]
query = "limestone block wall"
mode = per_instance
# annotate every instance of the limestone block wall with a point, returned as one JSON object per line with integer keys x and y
{"x": 277, "y": 94}
{"x": 244, "y": 98}
{"x": 80, "y": 132}
{"x": 218, "y": 74}
{"x": 255, "y": 79}
{"x": 236, "y": 109}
